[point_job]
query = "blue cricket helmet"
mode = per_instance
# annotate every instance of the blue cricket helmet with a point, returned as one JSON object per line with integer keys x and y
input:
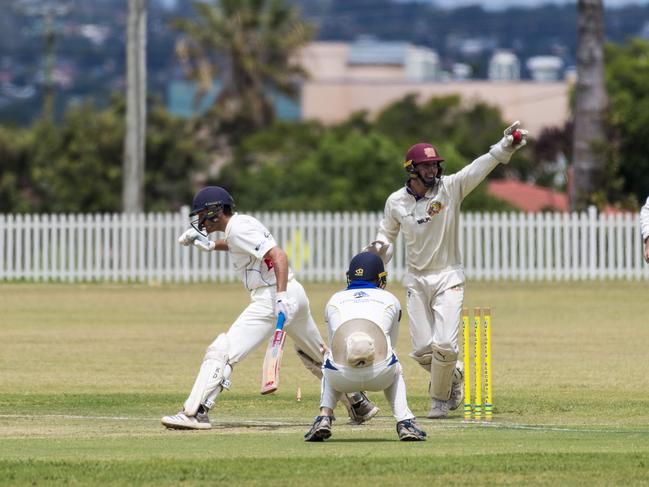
{"x": 367, "y": 266}
{"x": 209, "y": 197}
{"x": 209, "y": 202}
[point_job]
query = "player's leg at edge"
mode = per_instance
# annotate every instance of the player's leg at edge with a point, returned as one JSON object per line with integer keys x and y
{"x": 213, "y": 377}
{"x": 321, "y": 429}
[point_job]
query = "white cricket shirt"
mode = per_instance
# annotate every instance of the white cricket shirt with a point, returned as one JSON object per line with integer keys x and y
{"x": 644, "y": 220}
{"x": 248, "y": 241}
{"x": 368, "y": 302}
{"x": 430, "y": 224}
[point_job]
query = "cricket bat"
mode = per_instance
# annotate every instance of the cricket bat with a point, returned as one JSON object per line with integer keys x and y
{"x": 273, "y": 358}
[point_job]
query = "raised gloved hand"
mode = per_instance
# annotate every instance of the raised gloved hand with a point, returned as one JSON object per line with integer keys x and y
{"x": 285, "y": 304}
{"x": 513, "y": 139}
{"x": 197, "y": 238}
{"x": 382, "y": 249}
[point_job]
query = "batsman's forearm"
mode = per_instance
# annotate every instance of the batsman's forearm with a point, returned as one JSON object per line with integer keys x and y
{"x": 280, "y": 266}
{"x": 221, "y": 245}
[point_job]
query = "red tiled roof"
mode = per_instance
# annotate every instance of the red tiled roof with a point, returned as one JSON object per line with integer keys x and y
{"x": 528, "y": 197}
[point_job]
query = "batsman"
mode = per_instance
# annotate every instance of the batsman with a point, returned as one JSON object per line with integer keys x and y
{"x": 264, "y": 270}
{"x": 427, "y": 212}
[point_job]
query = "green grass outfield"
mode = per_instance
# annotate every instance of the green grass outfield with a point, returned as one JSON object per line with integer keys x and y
{"x": 86, "y": 371}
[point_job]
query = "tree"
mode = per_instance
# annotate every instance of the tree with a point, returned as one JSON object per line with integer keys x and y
{"x": 346, "y": 167}
{"x": 590, "y": 105}
{"x": 134, "y": 140}
{"x": 75, "y": 166}
{"x": 627, "y": 84}
{"x": 251, "y": 45}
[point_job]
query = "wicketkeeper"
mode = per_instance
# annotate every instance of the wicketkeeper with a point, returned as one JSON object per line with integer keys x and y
{"x": 263, "y": 267}
{"x": 644, "y": 222}
{"x": 363, "y": 325}
{"x": 427, "y": 212}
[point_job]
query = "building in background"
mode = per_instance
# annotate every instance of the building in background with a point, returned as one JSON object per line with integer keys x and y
{"x": 371, "y": 60}
{"x": 545, "y": 68}
{"x": 182, "y": 101}
{"x": 367, "y": 75}
{"x": 461, "y": 71}
{"x": 504, "y": 66}
{"x": 340, "y": 85}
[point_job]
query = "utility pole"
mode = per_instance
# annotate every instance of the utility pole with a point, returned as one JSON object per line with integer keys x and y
{"x": 590, "y": 104}
{"x": 134, "y": 139}
{"x": 48, "y": 12}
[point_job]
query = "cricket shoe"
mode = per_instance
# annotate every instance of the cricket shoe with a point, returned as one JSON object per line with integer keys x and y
{"x": 457, "y": 395}
{"x": 438, "y": 409}
{"x": 181, "y": 421}
{"x": 363, "y": 410}
{"x": 321, "y": 429}
{"x": 409, "y": 431}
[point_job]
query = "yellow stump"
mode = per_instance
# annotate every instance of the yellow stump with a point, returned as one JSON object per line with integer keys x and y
{"x": 488, "y": 407}
{"x": 466, "y": 357}
{"x": 477, "y": 360}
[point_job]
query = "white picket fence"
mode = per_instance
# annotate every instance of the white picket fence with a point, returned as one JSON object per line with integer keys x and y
{"x": 143, "y": 247}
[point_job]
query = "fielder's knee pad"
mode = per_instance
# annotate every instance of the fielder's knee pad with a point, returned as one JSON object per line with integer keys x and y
{"x": 213, "y": 376}
{"x": 312, "y": 366}
{"x": 442, "y": 371}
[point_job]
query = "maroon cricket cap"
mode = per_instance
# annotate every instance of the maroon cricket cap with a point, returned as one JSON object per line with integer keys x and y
{"x": 419, "y": 153}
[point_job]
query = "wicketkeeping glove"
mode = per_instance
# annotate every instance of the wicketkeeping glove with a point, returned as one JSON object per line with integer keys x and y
{"x": 513, "y": 139}
{"x": 382, "y": 249}
{"x": 198, "y": 239}
{"x": 285, "y": 304}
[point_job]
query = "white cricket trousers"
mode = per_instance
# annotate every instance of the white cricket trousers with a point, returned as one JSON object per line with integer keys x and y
{"x": 434, "y": 302}
{"x": 384, "y": 376}
{"x": 257, "y": 323}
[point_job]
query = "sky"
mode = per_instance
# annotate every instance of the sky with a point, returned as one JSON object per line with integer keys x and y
{"x": 491, "y": 4}
{"x": 500, "y": 4}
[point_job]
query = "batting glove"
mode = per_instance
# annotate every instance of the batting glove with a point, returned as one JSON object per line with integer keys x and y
{"x": 188, "y": 237}
{"x": 513, "y": 139}
{"x": 382, "y": 249}
{"x": 193, "y": 236}
{"x": 285, "y": 304}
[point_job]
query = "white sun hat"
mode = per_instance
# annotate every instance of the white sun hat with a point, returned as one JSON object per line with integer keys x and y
{"x": 359, "y": 343}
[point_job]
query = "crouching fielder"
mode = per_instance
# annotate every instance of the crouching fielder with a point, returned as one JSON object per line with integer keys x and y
{"x": 363, "y": 323}
{"x": 264, "y": 269}
{"x": 427, "y": 212}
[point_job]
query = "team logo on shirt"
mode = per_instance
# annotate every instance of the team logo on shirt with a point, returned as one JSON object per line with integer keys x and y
{"x": 360, "y": 294}
{"x": 434, "y": 207}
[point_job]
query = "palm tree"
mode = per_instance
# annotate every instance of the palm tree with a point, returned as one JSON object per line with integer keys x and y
{"x": 251, "y": 45}
{"x": 590, "y": 104}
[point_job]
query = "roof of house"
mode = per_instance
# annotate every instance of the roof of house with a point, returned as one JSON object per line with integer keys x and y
{"x": 528, "y": 197}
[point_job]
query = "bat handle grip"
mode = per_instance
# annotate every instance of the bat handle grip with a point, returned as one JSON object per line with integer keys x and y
{"x": 281, "y": 319}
